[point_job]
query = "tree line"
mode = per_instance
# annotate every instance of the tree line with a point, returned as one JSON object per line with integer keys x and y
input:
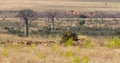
{"x": 27, "y": 14}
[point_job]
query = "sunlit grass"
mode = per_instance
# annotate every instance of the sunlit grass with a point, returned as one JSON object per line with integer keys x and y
{"x": 41, "y": 55}
{"x": 57, "y": 53}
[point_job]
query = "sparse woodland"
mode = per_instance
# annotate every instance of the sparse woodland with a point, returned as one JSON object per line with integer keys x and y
{"x": 57, "y": 36}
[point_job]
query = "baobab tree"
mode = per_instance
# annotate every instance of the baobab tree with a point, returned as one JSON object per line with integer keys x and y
{"x": 51, "y": 15}
{"x": 27, "y": 15}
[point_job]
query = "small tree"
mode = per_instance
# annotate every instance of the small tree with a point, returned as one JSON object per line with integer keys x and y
{"x": 81, "y": 23}
{"x": 51, "y": 15}
{"x": 69, "y": 36}
{"x": 101, "y": 15}
{"x": 27, "y": 15}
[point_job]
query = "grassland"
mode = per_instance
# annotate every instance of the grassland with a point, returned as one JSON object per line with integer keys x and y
{"x": 97, "y": 53}
{"x": 38, "y": 49}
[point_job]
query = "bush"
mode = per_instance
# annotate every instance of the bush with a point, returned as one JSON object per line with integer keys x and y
{"x": 114, "y": 43}
{"x": 69, "y": 42}
{"x": 88, "y": 43}
{"x": 77, "y": 60}
{"x": 70, "y": 54}
{"x": 16, "y": 31}
{"x": 85, "y": 59}
{"x": 45, "y": 30}
{"x": 81, "y": 23}
{"x": 69, "y": 36}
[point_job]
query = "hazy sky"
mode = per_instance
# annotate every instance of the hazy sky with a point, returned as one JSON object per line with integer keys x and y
{"x": 14, "y": 1}
{"x": 62, "y": 4}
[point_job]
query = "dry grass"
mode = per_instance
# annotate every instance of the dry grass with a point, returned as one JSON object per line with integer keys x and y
{"x": 5, "y": 37}
{"x": 57, "y": 54}
{"x": 43, "y": 54}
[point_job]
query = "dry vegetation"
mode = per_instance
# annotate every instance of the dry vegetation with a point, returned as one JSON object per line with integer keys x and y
{"x": 95, "y": 45}
{"x": 96, "y": 52}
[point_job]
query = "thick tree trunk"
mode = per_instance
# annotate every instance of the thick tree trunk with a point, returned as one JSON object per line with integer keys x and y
{"x": 53, "y": 25}
{"x": 26, "y": 28}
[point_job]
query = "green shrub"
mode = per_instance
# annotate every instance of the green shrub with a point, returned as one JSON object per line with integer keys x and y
{"x": 114, "y": 43}
{"x": 88, "y": 43}
{"x": 68, "y": 37}
{"x": 81, "y": 23}
{"x": 56, "y": 45}
{"x": 77, "y": 60}
{"x": 33, "y": 46}
{"x": 5, "y": 53}
{"x": 69, "y": 42}
{"x": 44, "y": 31}
{"x": 85, "y": 59}
{"x": 70, "y": 54}
{"x": 16, "y": 31}
{"x": 41, "y": 55}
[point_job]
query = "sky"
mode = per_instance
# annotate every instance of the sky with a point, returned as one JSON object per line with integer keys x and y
{"x": 15, "y": 1}
{"x": 48, "y": 4}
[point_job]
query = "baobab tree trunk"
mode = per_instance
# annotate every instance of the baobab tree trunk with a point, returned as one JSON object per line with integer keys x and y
{"x": 26, "y": 28}
{"x": 102, "y": 18}
{"x": 53, "y": 25}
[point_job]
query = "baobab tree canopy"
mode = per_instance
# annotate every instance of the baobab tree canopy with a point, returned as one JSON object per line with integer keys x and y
{"x": 27, "y": 14}
{"x": 51, "y": 14}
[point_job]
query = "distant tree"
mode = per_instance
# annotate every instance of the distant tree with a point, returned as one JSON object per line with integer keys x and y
{"x": 51, "y": 15}
{"x": 81, "y": 23}
{"x": 106, "y": 3}
{"x": 101, "y": 15}
{"x": 27, "y": 15}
